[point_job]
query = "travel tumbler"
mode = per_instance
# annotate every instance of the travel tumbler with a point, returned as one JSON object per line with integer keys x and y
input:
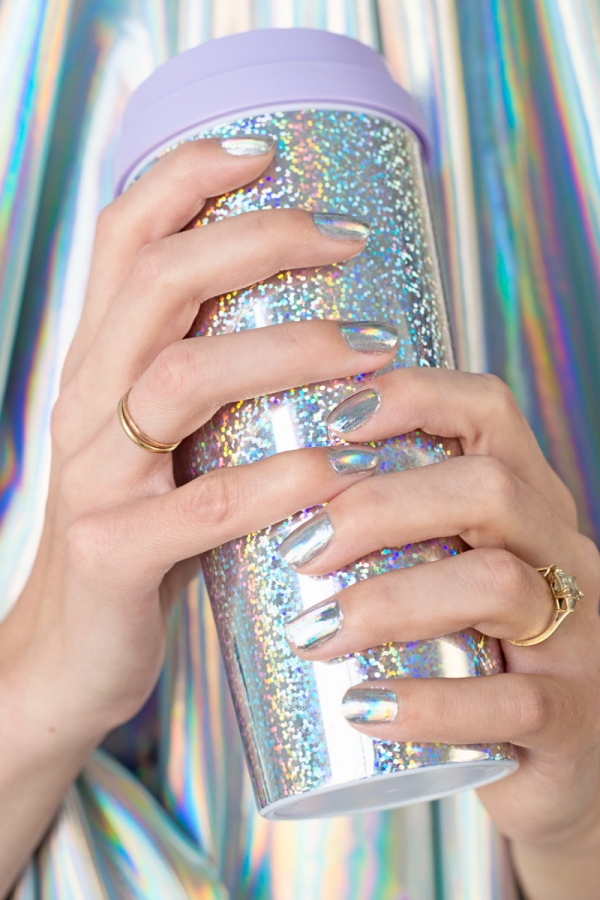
{"x": 348, "y": 140}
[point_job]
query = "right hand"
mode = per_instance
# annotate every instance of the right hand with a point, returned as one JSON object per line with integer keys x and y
{"x": 83, "y": 647}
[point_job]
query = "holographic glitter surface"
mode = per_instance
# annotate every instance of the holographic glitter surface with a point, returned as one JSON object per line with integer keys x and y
{"x": 293, "y": 729}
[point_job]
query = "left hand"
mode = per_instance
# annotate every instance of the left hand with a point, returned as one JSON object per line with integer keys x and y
{"x": 508, "y": 504}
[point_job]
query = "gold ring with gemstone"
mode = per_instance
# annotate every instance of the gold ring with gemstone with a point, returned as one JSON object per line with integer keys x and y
{"x": 565, "y": 594}
{"x": 136, "y": 434}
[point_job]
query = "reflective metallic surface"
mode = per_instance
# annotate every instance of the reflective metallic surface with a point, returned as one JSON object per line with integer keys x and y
{"x": 306, "y": 541}
{"x": 316, "y": 625}
{"x": 369, "y": 337}
{"x": 340, "y": 227}
{"x": 353, "y": 459}
{"x": 353, "y": 412}
{"x": 243, "y": 145}
{"x": 370, "y": 706}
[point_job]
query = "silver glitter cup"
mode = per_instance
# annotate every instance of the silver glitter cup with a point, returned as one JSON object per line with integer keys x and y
{"x": 349, "y": 141}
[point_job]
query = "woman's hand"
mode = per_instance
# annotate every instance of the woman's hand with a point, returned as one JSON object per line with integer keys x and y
{"x": 506, "y": 502}
{"x": 83, "y": 647}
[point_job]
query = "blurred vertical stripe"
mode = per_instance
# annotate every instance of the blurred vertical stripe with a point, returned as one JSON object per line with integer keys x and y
{"x": 32, "y": 42}
{"x": 532, "y": 81}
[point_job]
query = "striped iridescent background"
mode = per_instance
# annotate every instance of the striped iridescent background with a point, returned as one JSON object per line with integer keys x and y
{"x": 510, "y": 91}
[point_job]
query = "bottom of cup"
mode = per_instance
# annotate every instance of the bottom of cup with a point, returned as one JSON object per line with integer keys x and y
{"x": 387, "y": 791}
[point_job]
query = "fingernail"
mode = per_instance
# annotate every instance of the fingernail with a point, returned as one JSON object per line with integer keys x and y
{"x": 369, "y": 337}
{"x": 341, "y": 228}
{"x": 306, "y": 541}
{"x": 353, "y": 412}
{"x": 247, "y": 144}
{"x": 370, "y": 706}
{"x": 315, "y": 626}
{"x": 353, "y": 460}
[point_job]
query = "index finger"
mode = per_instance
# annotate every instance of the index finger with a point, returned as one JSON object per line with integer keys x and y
{"x": 160, "y": 203}
{"x": 479, "y": 410}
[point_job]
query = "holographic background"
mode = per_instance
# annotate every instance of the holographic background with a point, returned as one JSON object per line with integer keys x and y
{"x": 509, "y": 90}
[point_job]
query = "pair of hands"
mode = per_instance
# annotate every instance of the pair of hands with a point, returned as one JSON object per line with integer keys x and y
{"x": 83, "y": 647}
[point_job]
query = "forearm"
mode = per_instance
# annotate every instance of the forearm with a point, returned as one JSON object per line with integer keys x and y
{"x": 38, "y": 762}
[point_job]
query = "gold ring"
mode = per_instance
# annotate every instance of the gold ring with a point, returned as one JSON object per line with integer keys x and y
{"x": 565, "y": 594}
{"x": 136, "y": 435}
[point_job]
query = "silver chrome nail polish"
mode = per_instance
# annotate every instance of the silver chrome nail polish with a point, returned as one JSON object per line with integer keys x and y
{"x": 247, "y": 144}
{"x": 306, "y": 541}
{"x": 370, "y": 706}
{"x": 369, "y": 337}
{"x": 353, "y": 460}
{"x": 315, "y": 626}
{"x": 353, "y": 412}
{"x": 341, "y": 228}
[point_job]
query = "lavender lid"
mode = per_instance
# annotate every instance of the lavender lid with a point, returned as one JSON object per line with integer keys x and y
{"x": 277, "y": 68}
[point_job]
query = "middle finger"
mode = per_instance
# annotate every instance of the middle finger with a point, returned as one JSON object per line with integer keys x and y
{"x": 476, "y": 497}
{"x": 172, "y": 277}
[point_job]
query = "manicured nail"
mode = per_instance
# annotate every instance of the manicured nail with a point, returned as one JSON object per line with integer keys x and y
{"x": 353, "y": 460}
{"x": 341, "y": 228}
{"x": 369, "y": 337}
{"x": 247, "y": 145}
{"x": 369, "y": 706}
{"x": 315, "y": 626}
{"x": 353, "y": 412}
{"x": 306, "y": 541}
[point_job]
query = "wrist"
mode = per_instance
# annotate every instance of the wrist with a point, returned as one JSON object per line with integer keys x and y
{"x": 40, "y": 706}
{"x": 568, "y": 865}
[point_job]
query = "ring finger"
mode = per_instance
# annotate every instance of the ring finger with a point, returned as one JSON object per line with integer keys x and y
{"x": 169, "y": 281}
{"x": 490, "y": 590}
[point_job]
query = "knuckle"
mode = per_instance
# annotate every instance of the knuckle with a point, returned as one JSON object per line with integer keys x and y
{"x": 185, "y": 156}
{"x": 532, "y": 705}
{"x": 375, "y": 494}
{"x": 108, "y": 220}
{"x": 293, "y": 339}
{"x": 500, "y": 400}
{"x": 60, "y": 423}
{"x": 265, "y": 225}
{"x": 184, "y": 159}
{"x": 152, "y": 265}
{"x": 170, "y": 372}
{"x": 506, "y": 574}
{"x": 494, "y": 481}
{"x": 423, "y": 707}
{"x": 214, "y": 499}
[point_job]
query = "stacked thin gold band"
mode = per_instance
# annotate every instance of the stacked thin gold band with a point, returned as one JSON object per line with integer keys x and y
{"x": 136, "y": 435}
{"x": 565, "y": 593}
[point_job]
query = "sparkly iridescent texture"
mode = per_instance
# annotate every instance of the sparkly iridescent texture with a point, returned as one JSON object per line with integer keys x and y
{"x": 353, "y": 412}
{"x": 306, "y": 541}
{"x": 289, "y": 710}
{"x": 370, "y": 706}
{"x": 316, "y": 625}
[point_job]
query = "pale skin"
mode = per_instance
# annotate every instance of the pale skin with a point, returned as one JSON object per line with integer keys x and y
{"x": 83, "y": 647}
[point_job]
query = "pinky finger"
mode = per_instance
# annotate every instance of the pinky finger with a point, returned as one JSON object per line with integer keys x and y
{"x": 526, "y": 710}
